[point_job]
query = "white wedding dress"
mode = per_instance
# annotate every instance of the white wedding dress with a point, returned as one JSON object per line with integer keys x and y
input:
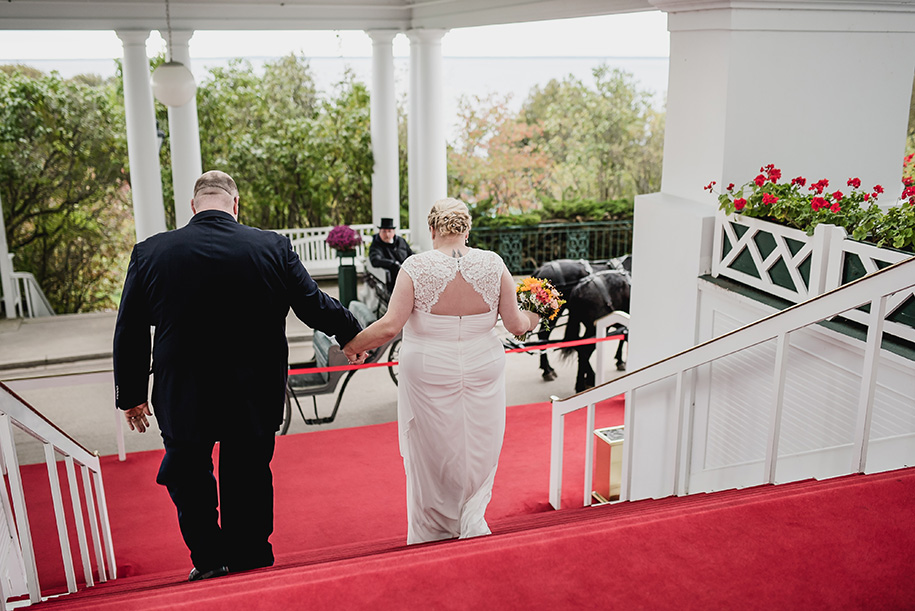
{"x": 451, "y": 398}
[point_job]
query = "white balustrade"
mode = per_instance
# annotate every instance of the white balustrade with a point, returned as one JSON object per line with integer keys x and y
{"x": 874, "y": 290}
{"x": 18, "y": 561}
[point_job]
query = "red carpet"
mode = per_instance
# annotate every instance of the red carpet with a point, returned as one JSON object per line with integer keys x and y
{"x": 333, "y": 488}
{"x": 846, "y": 543}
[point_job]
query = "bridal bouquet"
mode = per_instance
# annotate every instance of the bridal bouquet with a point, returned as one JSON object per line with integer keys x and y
{"x": 537, "y": 295}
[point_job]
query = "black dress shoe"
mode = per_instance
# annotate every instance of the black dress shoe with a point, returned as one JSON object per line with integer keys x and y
{"x": 217, "y": 572}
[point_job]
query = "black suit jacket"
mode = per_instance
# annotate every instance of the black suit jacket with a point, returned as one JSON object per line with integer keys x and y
{"x": 217, "y": 293}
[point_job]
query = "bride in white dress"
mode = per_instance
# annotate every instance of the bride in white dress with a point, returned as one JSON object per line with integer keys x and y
{"x": 451, "y": 393}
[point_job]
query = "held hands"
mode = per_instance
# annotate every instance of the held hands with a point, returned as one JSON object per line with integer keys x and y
{"x": 136, "y": 417}
{"x": 355, "y": 358}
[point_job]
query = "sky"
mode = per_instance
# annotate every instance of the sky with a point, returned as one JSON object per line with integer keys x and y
{"x": 629, "y": 35}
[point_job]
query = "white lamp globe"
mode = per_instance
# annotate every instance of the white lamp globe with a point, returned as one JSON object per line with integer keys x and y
{"x": 173, "y": 84}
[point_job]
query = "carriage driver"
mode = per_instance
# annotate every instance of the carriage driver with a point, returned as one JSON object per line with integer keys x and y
{"x": 388, "y": 250}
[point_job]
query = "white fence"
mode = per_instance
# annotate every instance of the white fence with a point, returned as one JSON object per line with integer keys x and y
{"x": 18, "y": 571}
{"x": 894, "y": 446}
{"x": 789, "y": 264}
{"x": 319, "y": 258}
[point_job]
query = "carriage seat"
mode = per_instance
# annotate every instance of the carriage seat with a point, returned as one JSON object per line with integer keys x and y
{"x": 328, "y": 352}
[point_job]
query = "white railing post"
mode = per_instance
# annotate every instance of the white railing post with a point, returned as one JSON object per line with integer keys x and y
{"x": 57, "y": 499}
{"x": 93, "y": 525}
{"x": 589, "y": 454}
{"x": 868, "y": 384}
{"x": 14, "y": 478}
{"x": 556, "y": 437}
{"x": 78, "y": 520}
{"x": 778, "y": 396}
{"x": 679, "y": 459}
{"x": 106, "y": 523}
{"x": 119, "y": 431}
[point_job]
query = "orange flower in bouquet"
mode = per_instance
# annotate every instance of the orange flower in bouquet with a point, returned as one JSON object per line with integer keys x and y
{"x": 537, "y": 295}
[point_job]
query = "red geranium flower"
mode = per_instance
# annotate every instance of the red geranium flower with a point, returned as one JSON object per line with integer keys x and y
{"x": 760, "y": 180}
{"x": 835, "y": 207}
{"x": 854, "y": 183}
{"x": 818, "y": 203}
{"x": 799, "y": 181}
{"x": 739, "y": 203}
{"x": 709, "y": 186}
{"x": 838, "y": 195}
{"x": 819, "y": 186}
{"x": 730, "y": 186}
{"x": 769, "y": 198}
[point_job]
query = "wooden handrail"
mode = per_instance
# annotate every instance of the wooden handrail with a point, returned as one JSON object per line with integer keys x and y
{"x": 867, "y": 289}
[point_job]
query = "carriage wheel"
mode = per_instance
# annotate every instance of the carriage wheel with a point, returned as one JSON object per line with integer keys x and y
{"x": 287, "y": 415}
{"x": 393, "y": 355}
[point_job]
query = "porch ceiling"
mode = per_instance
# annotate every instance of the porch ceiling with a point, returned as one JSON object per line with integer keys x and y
{"x": 295, "y": 14}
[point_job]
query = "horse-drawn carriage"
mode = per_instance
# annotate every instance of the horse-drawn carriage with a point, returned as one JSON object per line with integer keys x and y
{"x": 592, "y": 289}
{"x": 329, "y": 354}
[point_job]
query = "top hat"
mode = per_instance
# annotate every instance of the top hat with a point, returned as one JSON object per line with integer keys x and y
{"x": 387, "y": 223}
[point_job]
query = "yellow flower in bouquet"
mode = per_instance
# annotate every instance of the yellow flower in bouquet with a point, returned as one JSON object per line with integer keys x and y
{"x": 537, "y": 295}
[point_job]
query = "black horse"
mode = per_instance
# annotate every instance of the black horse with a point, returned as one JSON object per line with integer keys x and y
{"x": 606, "y": 290}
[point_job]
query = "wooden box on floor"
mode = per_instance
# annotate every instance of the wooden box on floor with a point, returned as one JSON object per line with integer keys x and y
{"x": 608, "y": 463}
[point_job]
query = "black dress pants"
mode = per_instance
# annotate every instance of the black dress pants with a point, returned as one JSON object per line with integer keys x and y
{"x": 230, "y": 527}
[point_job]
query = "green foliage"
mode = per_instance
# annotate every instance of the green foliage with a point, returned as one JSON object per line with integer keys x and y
{"x": 571, "y": 146}
{"x": 299, "y": 160}
{"x": 588, "y": 210}
{"x": 795, "y": 204}
{"x": 605, "y": 141}
{"x": 63, "y": 185}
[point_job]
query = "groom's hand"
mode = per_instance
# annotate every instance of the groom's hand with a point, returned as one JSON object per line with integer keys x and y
{"x": 136, "y": 417}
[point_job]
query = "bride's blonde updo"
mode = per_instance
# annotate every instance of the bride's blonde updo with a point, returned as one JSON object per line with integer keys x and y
{"x": 449, "y": 216}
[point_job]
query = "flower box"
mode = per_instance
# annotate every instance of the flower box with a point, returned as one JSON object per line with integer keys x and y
{"x": 789, "y": 264}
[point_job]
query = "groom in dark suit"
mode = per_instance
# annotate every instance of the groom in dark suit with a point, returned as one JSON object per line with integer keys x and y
{"x": 217, "y": 293}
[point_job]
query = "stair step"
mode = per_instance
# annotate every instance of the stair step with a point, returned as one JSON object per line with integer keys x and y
{"x": 513, "y": 531}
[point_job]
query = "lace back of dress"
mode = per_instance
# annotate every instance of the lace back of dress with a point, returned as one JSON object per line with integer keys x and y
{"x": 432, "y": 272}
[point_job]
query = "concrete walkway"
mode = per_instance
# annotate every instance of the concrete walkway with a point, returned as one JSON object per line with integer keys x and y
{"x": 62, "y": 367}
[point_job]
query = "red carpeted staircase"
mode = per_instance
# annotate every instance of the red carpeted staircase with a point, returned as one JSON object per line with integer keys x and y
{"x": 340, "y": 531}
{"x": 842, "y": 543}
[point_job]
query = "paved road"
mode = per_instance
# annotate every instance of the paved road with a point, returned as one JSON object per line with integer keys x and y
{"x": 62, "y": 366}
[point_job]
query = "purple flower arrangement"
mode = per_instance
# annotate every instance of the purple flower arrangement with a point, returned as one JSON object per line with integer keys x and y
{"x": 343, "y": 237}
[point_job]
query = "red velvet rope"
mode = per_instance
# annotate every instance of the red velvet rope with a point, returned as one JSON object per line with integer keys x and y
{"x": 577, "y": 342}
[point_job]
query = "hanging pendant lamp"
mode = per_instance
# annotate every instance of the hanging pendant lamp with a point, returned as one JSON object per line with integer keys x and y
{"x": 172, "y": 83}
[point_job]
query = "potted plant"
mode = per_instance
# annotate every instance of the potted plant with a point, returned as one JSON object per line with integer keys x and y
{"x": 344, "y": 239}
{"x": 789, "y": 238}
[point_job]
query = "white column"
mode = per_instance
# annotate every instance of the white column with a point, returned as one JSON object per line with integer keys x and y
{"x": 821, "y": 90}
{"x": 184, "y": 138}
{"x": 6, "y": 270}
{"x": 426, "y": 125}
{"x": 385, "y": 175}
{"x": 142, "y": 146}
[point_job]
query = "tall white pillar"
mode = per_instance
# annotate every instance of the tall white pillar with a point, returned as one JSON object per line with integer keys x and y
{"x": 184, "y": 138}
{"x": 385, "y": 174}
{"x": 821, "y": 90}
{"x": 142, "y": 145}
{"x": 426, "y": 127}
{"x": 6, "y": 270}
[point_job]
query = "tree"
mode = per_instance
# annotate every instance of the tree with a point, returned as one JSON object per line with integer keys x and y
{"x": 496, "y": 156}
{"x": 605, "y": 141}
{"x": 63, "y": 185}
{"x": 299, "y": 160}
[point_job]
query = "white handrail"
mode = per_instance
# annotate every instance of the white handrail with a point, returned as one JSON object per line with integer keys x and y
{"x": 872, "y": 289}
{"x": 29, "y": 300}
{"x": 15, "y": 411}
